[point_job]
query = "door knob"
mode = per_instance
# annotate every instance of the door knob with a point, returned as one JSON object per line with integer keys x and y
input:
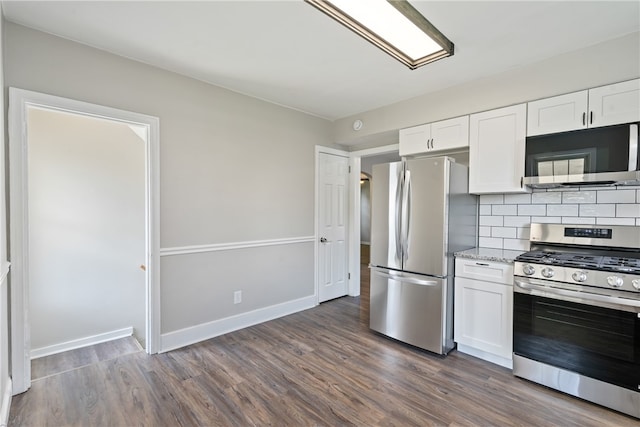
{"x": 323, "y": 240}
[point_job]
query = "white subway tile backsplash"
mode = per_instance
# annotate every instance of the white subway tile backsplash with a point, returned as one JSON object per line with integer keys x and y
{"x": 546, "y": 219}
{"x": 629, "y": 210}
{"x": 490, "y": 242}
{"x": 495, "y": 221}
{"x": 578, "y": 220}
{"x": 504, "y": 209}
{"x": 579, "y": 197}
{"x": 509, "y": 232}
{"x": 523, "y": 233}
{"x": 517, "y": 199}
{"x": 546, "y": 198}
{"x": 616, "y": 196}
{"x": 562, "y": 210}
{"x": 505, "y": 218}
{"x": 532, "y": 210}
{"x": 598, "y": 210}
{"x": 517, "y": 221}
{"x": 615, "y": 221}
{"x": 516, "y": 244}
{"x": 484, "y": 231}
{"x": 491, "y": 199}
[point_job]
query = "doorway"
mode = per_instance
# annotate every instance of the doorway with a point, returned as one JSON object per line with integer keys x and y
{"x": 366, "y": 184}
{"x": 84, "y": 226}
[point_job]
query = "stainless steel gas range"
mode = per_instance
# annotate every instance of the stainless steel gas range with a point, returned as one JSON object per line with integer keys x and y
{"x": 577, "y": 313}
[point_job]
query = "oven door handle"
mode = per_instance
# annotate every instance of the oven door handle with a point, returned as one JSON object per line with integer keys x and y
{"x": 626, "y": 304}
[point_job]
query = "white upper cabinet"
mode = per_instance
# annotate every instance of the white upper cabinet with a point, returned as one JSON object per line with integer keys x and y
{"x": 438, "y": 136}
{"x": 614, "y": 104}
{"x": 558, "y": 114}
{"x": 601, "y": 106}
{"x": 496, "y": 150}
{"x": 414, "y": 140}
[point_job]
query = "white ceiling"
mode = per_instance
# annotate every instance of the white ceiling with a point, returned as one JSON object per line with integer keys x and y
{"x": 289, "y": 53}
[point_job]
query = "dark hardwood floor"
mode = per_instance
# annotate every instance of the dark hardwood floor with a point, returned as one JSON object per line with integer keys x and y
{"x": 320, "y": 367}
{"x": 58, "y": 363}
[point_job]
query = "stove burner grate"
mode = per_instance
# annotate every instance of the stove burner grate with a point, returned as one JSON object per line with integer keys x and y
{"x": 590, "y": 262}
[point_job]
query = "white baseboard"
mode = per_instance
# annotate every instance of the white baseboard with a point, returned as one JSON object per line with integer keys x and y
{"x": 498, "y": 360}
{"x": 81, "y": 342}
{"x": 6, "y": 403}
{"x": 365, "y": 243}
{"x": 187, "y": 336}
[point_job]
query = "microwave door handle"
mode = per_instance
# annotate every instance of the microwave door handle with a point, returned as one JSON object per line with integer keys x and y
{"x": 633, "y": 147}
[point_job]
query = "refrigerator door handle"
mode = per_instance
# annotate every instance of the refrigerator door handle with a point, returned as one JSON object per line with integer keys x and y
{"x": 406, "y": 214}
{"x": 405, "y": 279}
{"x": 397, "y": 218}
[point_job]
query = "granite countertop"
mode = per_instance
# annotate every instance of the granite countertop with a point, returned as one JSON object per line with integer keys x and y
{"x": 488, "y": 254}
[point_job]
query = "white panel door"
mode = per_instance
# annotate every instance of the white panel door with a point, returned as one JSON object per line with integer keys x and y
{"x": 332, "y": 226}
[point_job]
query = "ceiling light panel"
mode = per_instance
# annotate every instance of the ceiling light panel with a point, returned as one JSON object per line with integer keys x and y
{"x": 394, "y": 26}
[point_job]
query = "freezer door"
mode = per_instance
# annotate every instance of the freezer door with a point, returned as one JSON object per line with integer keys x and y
{"x": 425, "y": 214}
{"x": 410, "y": 308}
{"x": 385, "y": 215}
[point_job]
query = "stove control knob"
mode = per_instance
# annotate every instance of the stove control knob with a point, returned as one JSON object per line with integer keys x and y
{"x": 579, "y": 276}
{"x": 528, "y": 269}
{"x": 636, "y": 283}
{"x": 547, "y": 272}
{"x": 615, "y": 281}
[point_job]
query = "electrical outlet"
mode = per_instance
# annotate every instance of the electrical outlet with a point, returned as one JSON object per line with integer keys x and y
{"x": 237, "y": 297}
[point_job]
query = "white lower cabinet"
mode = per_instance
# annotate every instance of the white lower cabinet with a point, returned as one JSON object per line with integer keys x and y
{"x": 483, "y": 311}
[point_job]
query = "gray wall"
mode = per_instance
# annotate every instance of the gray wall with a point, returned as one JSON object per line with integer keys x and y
{"x": 86, "y": 227}
{"x": 233, "y": 169}
{"x": 609, "y": 62}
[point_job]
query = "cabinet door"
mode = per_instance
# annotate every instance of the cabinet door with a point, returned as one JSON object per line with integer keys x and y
{"x": 496, "y": 150}
{"x": 483, "y": 316}
{"x": 557, "y": 114}
{"x": 414, "y": 140}
{"x": 449, "y": 134}
{"x": 615, "y": 104}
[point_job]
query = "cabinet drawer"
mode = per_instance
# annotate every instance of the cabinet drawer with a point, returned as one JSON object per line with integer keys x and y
{"x": 498, "y": 272}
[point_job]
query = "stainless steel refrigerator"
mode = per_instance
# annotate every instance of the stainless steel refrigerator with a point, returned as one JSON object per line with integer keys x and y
{"x": 421, "y": 214}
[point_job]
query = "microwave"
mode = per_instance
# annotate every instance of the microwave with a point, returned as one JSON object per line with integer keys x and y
{"x": 597, "y": 156}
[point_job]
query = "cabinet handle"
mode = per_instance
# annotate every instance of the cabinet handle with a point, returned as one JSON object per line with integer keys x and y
{"x": 522, "y": 182}
{"x": 584, "y": 118}
{"x": 591, "y": 117}
{"x": 482, "y": 264}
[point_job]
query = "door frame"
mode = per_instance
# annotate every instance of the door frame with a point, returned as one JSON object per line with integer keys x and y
{"x": 316, "y": 252}
{"x": 19, "y": 102}
{"x": 354, "y": 210}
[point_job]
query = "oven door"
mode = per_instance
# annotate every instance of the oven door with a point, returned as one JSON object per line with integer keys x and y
{"x": 594, "y": 335}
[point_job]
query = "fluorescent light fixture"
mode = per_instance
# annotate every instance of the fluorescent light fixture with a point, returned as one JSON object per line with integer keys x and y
{"x": 393, "y": 25}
